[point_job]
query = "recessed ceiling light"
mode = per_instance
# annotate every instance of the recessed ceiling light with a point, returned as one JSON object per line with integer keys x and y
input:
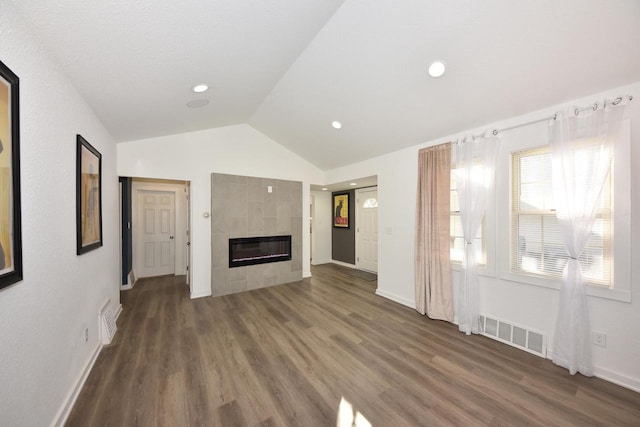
{"x": 324, "y": 188}
{"x": 354, "y": 183}
{"x": 336, "y": 124}
{"x": 200, "y": 88}
{"x": 197, "y": 103}
{"x": 437, "y": 69}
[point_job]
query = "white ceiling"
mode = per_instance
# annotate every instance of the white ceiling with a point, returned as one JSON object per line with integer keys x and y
{"x": 290, "y": 67}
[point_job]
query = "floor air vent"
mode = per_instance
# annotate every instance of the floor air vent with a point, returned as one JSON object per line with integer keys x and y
{"x": 515, "y": 335}
{"x": 107, "y": 323}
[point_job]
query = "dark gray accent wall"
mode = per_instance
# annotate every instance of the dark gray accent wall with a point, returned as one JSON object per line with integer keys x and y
{"x": 343, "y": 240}
{"x": 242, "y": 206}
{"x": 127, "y": 235}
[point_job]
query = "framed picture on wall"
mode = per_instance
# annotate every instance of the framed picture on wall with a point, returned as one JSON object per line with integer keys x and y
{"x": 10, "y": 218}
{"x": 88, "y": 196}
{"x": 341, "y": 210}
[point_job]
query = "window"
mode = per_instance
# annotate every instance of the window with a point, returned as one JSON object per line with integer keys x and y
{"x": 537, "y": 247}
{"x": 457, "y": 236}
{"x": 370, "y": 203}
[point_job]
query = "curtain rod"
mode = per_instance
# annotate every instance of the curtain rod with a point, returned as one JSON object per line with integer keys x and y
{"x": 595, "y": 105}
{"x": 577, "y": 111}
{"x": 497, "y": 131}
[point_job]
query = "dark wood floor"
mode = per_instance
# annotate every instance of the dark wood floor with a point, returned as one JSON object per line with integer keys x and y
{"x": 289, "y": 354}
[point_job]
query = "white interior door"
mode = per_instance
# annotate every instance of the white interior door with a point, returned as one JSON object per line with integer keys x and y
{"x": 367, "y": 229}
{"x": 156, "y": 233}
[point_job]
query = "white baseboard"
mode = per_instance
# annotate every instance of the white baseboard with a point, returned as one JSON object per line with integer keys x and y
{"x": 607, "y": 375}
{"x": 344, "y": 264}
{"x": 602, "y": 373}
{"x": 324, "y": 261}
{"x": 131, "y": 282}
{"x": 396, "y": 298}
{"x": 117, "y": 312}
{"x": 70, "y": 400}
{"x": 306, "y": 274}
{"x": 619, "y": 379}
{"x": 195, "y": 295}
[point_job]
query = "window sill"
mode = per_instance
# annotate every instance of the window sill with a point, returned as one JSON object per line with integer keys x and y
{"x": 483, "y": 270}
{"x": 592, "y": 290}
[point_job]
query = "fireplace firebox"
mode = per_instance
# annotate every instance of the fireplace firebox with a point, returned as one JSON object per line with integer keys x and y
{"x": 259, "y": 250}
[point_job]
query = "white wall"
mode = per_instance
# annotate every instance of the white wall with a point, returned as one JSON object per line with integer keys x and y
{"x": 321, "y": 227}
{"x": 193, "y": 156}
{"x": 526, "y": 304}
{"x": 42, "y": 318}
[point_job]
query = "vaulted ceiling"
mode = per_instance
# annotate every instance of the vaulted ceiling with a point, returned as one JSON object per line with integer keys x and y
{"x": 291, "y": 67}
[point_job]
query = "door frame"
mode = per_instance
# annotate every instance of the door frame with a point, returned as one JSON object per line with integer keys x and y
{"x": 358, "y": 218}
{"x": 182, "y": 212}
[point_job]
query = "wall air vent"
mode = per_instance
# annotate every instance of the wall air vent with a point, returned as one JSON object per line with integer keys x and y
{"x": 515, "y": 335}
{"x": 107, "y": 323}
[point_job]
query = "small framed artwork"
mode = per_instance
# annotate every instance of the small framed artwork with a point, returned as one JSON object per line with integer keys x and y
{"x": 10, "y": 217}
{"x": 88, "y": 196}
{"x": 341, "y": 210}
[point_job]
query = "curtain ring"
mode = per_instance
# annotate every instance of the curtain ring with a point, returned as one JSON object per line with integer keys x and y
{"x": 495, "y": 132}
{"x": 617, "y": 101}
{"x": 576, "y": 112}
{"x": 595, "y": 106}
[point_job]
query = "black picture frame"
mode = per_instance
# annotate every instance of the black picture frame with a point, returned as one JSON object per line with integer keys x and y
{"x": 10, "y": 210}
{"x": 341, "y": 210}
{"x": 88, "y": 197}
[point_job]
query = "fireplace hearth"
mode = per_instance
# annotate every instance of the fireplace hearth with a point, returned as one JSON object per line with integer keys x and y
{"x": 259, "y": 250}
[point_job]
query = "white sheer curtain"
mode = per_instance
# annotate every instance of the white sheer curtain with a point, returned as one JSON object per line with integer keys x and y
{"x": 474, "y": 162}
{"x": 582, "y": 149}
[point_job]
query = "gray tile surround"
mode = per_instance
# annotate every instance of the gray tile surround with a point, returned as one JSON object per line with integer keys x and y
{"x": 241, "y": 206}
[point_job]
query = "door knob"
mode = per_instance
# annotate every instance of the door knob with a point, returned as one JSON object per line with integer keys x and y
{"x": 171, "y": 237}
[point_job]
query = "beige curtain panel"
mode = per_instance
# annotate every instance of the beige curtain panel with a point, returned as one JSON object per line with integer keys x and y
{"x": 434, "y": 296}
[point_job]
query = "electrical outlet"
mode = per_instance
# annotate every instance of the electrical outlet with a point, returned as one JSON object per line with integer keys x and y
{"x": 599, "y": 338}
{"x": 86, "y": 334}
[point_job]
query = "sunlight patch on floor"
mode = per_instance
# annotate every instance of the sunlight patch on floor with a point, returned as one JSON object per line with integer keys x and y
{"x": 349, "y": 417}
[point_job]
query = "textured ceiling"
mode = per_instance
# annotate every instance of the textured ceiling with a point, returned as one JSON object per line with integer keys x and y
{"x": 290, "y": 67}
